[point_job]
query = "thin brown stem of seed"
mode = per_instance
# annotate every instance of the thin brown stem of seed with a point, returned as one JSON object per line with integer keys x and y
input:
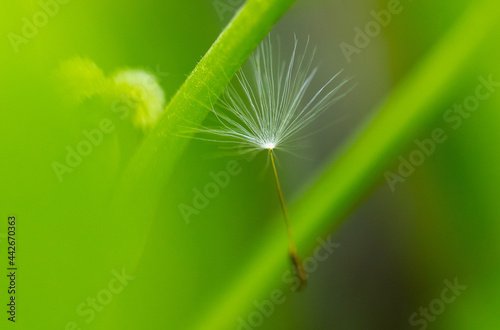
{"x": 291, "y": 243}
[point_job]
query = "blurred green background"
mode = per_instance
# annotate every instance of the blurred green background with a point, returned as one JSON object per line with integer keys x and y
{"x": 397, "y": 248}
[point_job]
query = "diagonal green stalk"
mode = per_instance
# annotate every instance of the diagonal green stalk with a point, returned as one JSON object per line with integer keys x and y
{"x": 138, "y": 193}
{"x": 155, "y": 159}
{"x": 410, "y": 108}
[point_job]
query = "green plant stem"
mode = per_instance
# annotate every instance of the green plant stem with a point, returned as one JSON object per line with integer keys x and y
{"x": 138, "y": 193}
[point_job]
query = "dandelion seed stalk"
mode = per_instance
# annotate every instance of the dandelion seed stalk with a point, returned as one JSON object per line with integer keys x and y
{"x": 266, "y": 108}
{"x": 291, "y": 243}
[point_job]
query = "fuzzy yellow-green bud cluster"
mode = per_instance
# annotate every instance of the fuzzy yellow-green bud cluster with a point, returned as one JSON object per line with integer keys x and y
{"x": 81, "y": 79}
{"x": 145, "y": 92}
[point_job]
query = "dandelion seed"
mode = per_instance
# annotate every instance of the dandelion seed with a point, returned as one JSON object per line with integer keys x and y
{"x": 267, "y": 109}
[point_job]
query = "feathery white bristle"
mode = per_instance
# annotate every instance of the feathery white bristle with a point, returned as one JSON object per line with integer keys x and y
{"x": 266, "y": 109}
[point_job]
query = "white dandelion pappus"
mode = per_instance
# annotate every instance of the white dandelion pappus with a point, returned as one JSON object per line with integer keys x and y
{"x": 269, "y": 111}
